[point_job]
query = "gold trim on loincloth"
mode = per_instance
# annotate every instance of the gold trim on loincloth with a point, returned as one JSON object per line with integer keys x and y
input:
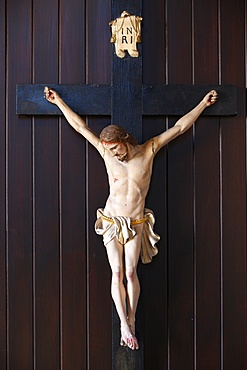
{"x": 133, "y": 222}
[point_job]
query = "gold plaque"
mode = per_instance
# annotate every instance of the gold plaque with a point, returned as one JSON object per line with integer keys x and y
{"x": 126, "y": 34}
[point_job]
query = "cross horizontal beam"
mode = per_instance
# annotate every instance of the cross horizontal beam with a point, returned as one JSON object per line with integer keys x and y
{"x": 167, "y": 100}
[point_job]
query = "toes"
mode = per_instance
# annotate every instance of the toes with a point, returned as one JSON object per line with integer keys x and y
{"x": 128, "y": 339}
{"x": 122, "y": 342}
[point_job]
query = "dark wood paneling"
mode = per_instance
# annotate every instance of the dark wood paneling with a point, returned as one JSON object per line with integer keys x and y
{"x": 19, "y": 193}
{"x": 46, "y": 195}
{"x": 73, "y": 274}
{"x": 56, "y": 309}
{"x": 180, "y": 198}
{"x": 234, "y": 189}
{"x": 3, "y": 270}
{"x": 207, "y": 194}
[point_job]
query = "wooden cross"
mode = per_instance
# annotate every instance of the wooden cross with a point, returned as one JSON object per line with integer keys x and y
{"x": 126, "y": 100}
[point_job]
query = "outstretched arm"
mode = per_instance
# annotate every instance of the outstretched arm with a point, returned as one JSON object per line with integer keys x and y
{"x": 73, "y": 119}
{"x": 184, "y": 123}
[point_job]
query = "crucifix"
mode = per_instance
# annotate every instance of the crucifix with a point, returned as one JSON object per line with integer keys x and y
{"x": 126, "y": 100}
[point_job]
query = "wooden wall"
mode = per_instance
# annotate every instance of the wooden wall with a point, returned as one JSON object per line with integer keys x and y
{"x": 55, "y": 306}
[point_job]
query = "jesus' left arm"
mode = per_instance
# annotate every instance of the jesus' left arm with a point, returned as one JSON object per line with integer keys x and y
{"x": 185, "y": 122}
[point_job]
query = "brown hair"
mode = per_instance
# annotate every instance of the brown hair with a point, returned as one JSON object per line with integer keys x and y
{"x": 114, "y": 133}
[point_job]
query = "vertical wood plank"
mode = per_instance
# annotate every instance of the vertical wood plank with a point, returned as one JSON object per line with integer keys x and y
{"x": 99, "y": 310}
{"x": 19, "y": 192}
{"x": 207, "y": 188}
{"x": 180, "y": 198}
{"x": 154, "y": 281}
{"x": 73, "y": 198}
{"x": 233, "y": 132}
{"x": 46, "y": 197}
{"x": 3, "y": 270}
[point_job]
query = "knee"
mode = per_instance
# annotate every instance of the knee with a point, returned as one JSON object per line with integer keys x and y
{"x": 117, "y": 276}
{"x": 131, "y": 274}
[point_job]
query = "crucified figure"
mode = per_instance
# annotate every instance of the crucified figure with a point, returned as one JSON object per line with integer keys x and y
{"x": 125, "y": 224}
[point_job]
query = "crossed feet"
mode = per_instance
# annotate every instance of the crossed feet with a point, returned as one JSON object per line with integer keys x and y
{"x": 128, "y": 337}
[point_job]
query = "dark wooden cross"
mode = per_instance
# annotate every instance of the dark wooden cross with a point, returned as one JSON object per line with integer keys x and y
{"x": 126, "y": 100}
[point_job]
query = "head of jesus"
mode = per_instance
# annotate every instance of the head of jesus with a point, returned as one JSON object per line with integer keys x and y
{"x": 116, "y": 140}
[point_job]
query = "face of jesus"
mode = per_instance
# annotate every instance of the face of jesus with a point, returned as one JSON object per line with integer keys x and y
{"x": 118, "y": 150}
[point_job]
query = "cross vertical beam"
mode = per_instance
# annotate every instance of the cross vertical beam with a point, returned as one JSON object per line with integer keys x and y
{"x": 127, "y": 94}
{"x": 126, "y": 111}
{"x": 127, "y": 79}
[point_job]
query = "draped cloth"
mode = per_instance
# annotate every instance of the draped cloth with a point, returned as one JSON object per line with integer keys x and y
{"x": 122, "y": 228}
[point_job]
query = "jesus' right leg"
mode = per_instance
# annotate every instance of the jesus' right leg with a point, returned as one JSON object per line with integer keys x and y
{"x": 118, "y": 291}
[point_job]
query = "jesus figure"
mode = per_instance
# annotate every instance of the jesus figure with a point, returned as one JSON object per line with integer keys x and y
{"x": 124, "y": 222}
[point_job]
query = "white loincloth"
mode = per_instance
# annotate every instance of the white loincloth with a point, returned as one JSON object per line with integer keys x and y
{"x": 122, "y": 228}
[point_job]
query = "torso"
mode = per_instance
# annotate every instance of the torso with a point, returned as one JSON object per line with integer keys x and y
{"x": 129, "y": 182}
